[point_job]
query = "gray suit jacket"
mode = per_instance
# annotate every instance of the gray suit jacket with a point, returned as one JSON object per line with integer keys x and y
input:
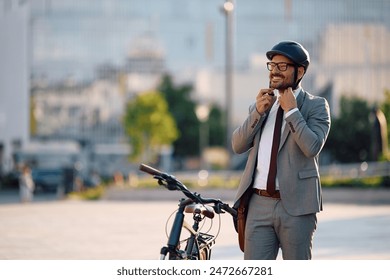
{"x": 302, "y": 140}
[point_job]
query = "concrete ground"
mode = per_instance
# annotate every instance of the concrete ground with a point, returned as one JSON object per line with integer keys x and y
{"x": 130, "y": 225}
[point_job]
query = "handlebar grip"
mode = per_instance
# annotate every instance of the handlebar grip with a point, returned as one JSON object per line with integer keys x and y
{"x": 150, "y": 170}
{"x": 230, "y": 210}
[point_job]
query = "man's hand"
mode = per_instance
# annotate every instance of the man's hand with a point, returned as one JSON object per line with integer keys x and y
{"x": 264, "y": 100}
{"x": 287, "y": 100}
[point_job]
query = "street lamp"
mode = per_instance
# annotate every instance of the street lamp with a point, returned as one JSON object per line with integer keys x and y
{"x": 227, "y": 9}
{"x": 202, "y": 113}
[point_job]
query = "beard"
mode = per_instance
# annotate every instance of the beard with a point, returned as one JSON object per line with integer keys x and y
{"x": 280, "y": 82}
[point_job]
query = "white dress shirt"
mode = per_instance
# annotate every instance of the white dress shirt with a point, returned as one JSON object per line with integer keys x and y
{"x": 265, "y": 146}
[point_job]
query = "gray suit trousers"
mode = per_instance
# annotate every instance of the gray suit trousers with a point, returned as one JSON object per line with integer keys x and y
{"x": 269, "y": 227}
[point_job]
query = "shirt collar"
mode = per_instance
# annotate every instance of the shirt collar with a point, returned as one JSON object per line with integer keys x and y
{"x": 295, "y": 92}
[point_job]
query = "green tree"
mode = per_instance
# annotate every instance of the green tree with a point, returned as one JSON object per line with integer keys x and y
{"x": 350, "y": 134}
{"x": 149, "y": 125}
{"x": 182, "y": 108}
{"x": 217, "y": 133}
{"x": 385, "y": 107}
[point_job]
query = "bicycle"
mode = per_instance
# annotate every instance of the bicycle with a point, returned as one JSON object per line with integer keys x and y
{"x": 198, "y": 245}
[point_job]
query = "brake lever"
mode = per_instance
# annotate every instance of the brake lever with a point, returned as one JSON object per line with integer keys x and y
{"x": 167, "y": 182}
{"x": 160, "y": 180}
{"x": 218, "y": 209}
{"x": 171, "y": 187}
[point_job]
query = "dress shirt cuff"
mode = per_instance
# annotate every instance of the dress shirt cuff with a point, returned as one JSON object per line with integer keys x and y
{"x": 292, "y": 111}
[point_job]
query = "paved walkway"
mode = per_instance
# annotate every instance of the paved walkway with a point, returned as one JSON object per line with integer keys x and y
{"x": 131, "y": 224}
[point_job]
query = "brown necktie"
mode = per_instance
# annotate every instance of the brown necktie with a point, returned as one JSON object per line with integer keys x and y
{"x": 274, "y": 152}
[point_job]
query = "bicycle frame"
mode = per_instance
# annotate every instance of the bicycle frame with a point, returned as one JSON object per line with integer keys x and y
{"x": 198, "y": 245}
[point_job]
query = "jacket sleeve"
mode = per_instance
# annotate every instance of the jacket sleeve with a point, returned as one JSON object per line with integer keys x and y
{"x": 311, "y": 134}
{"x": 242, "y": 138}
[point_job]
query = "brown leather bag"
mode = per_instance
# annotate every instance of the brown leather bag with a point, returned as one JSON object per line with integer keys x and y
{"x": 242, "y": 212}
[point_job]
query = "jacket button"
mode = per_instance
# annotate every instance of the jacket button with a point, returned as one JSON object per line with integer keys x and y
{"x": 291, "y": 127}
{"x": 254, "y": 124}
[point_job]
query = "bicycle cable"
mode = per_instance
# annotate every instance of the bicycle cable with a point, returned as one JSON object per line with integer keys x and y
{"x": 166, "y": 223}
{"x": 219, "y": 226}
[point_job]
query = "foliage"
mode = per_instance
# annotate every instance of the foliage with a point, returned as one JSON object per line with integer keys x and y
{"x": 216, "y": 129}
{"x": 182, "y": 109}
{"x": 222, "y": 182}
{"x": 370, "y": 182}
{"x": 350, "y": 135}
{"x": 33, "y": 119}
{"x": 95, "y": 193}
{"x": 214, "y": 181}
{"x": 385, "y": 107}
{"x": 149, "y": 125}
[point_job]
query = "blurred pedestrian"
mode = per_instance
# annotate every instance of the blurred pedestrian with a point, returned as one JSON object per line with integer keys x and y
{"x": 95, "y": 179}
{"x": 26, "y": 185}
{"x": 284, "y": 133}
{"x": 118, "y": 179}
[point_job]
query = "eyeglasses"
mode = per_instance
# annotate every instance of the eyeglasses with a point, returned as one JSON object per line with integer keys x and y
{"x": 282, "y": 66}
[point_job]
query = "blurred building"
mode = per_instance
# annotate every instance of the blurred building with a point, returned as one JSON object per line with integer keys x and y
{"x": 144, "y": 64}
{"x": 14, "y": 79}
{"x": 87, "y": 60}
{"x": 91, "y": 113}
{"x": 355, "y": 59}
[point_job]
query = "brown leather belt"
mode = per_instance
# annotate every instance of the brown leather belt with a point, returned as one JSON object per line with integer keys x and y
{"x": 266, "y": 194}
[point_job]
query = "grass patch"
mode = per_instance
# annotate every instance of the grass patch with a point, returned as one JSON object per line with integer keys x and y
{"x": 225, "y": 182}
{"x": 352, "y": 182}
{"x": 210, "y": 182}
{"x": 231, "y": 182}
{"x": 95, "y": 193}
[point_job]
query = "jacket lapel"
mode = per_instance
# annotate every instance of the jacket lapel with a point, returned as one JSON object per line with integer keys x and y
{"x": 286, "y": 131}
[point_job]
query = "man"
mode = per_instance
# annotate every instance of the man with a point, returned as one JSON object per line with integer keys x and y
{"x": 284, "y": 189}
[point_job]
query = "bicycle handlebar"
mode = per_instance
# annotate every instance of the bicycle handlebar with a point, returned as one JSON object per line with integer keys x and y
{"x": 150, "y": 170}
{"x": 180, "y": 186}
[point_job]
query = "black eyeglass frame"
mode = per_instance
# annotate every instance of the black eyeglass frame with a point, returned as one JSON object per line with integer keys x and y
{"x": 272, "y": 65}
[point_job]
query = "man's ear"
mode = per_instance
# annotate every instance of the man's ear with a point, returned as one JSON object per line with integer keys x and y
{"x": 301, "y": 72}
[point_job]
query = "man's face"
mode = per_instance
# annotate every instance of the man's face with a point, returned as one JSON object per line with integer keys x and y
{"x": 281, "y": 80}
